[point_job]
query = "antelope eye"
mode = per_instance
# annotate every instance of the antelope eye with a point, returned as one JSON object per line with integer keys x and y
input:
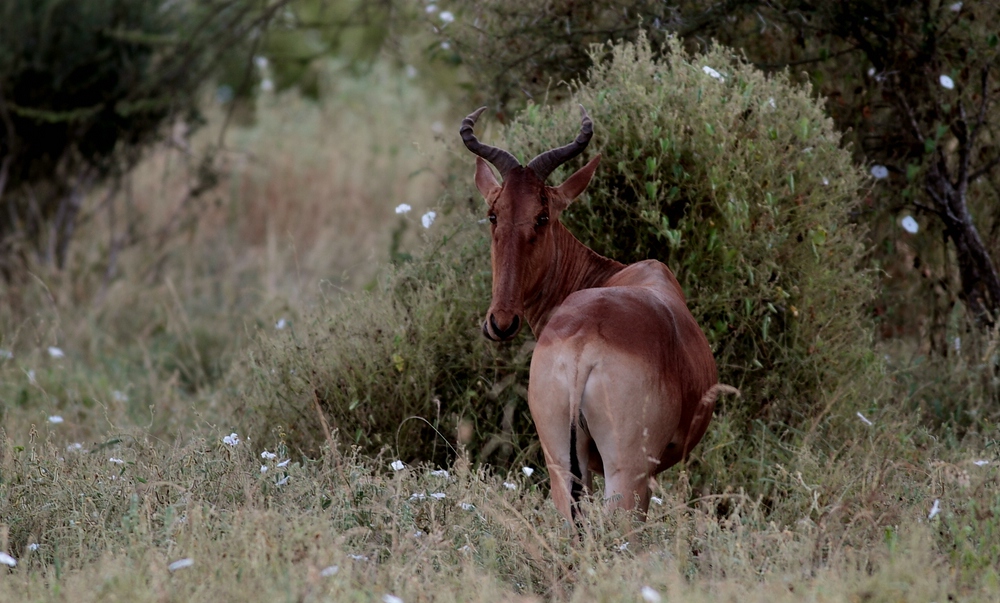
{"x": 493, "y": 218}
{"x": 542, "y": 220}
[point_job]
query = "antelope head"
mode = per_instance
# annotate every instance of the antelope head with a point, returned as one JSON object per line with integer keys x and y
{"x": 523, "y": 214}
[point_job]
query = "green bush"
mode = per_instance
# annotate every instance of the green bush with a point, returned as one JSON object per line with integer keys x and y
{"x": 738, "y": 182}
{"x": 734, "y": 179}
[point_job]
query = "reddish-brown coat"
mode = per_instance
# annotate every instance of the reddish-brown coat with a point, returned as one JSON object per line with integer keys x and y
{"x": 621, "y": 369}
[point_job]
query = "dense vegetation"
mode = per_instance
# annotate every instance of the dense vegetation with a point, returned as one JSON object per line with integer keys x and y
{"x": 226, "y": 414}
{"x": 714, "y": 174}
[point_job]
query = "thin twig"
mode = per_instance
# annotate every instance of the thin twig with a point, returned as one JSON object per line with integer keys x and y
{"x": 322, "y": 421}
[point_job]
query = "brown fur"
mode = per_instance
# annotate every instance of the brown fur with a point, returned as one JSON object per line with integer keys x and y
{"x": 621, "y": 368}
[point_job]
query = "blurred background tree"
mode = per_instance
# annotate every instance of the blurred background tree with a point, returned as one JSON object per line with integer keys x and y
{"x": 87, "y": 86}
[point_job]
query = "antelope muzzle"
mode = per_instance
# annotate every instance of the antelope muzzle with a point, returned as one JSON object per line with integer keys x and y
{"x": 498, "y": 329}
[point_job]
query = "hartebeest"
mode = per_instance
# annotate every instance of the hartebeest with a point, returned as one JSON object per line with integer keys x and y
{"x": 622, "y": 379}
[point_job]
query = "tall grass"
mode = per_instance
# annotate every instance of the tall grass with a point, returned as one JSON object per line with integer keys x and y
{"x": 304, "y": 209}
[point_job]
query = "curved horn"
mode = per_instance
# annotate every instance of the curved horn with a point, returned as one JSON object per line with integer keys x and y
{"x": 503, "y": 160}
{"x": 544, "y": 164}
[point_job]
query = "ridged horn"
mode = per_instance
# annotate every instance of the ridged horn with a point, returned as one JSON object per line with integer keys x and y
{"x": 501, "y": 159}
{"x": 544, "y": 164}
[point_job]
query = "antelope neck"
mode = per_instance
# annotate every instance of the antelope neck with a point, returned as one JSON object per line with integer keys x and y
{"x": 574, "y": 266}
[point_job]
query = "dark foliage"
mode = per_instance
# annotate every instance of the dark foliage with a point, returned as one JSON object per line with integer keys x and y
{"x": 84, "y": 87}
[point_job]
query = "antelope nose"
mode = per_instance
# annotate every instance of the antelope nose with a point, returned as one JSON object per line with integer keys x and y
{"x": 510, "y": 331}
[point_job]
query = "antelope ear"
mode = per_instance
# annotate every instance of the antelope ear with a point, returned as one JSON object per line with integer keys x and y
{"x": 486, "y": 182}
{"x": 574, "y": 186}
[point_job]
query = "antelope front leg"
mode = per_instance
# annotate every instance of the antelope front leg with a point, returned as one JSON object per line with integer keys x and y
{"x": 627, "y": 488}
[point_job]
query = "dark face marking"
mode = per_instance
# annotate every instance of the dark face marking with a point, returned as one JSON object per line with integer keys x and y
{"x": 519, "y": 222}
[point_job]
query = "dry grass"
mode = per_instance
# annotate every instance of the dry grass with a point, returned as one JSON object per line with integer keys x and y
{"x": 109, "y": 531}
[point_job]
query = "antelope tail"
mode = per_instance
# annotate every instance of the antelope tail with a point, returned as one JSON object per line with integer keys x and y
{"x": 719, "y": 388}
{"x": 703, "y": 414}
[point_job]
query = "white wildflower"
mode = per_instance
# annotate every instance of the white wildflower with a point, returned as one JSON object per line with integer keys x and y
{"x": 437, "y": 495}
{"x": 411, "y": 71}
{"x": 527, "y": 471}
{"x": 55, "y": 419}
{"x": 772, "y": 103}
{"x": 711, "y": 72}
{"x": 656, "y": 500}
{"x": 397, "y": 465}
{"x": 910, "y": 225}
{"x": 31, "y": 377}
{"x": 6, "y": 354}
{"x": 826, "y": 181}
{"x": 268, "y": 456}
{"x": 418, "y": 496}
{"x": 231, "y": 439}
{"x": 623, "y": 546}
{"x": 418, "y": 534}
{"x": 445, "y": 45}
{"x": 359, "y": 557}
{"x": 955, "y": 7}
{"x": 650, "y": 595}
{"x": 880, "y": 171}
{"x": 8, "y": 560}
{"x": 428, "y": 219}
{"x": 465, "y": 548}
{"x": 510, "y": 486}
{"x": 947, "y": 82}
{"x": 119, "y": 396}
{"x": 56, "y": 352}
{"x": 281, "y": 324}
{"x": 441, "y": 473}
{"x": 871, "y": 71}
{"x": 180, "y": 564}
{"x": 283, "y": 481}
{"x": 864, "y": 419}
{"x": 260, "y": 62}
{"x": 466, "y": 506}
{"x": 958, "y": 344}
{"x": 980, "y": 462}
{"x": 402, "y": 208}
{"x": 263, "y": 468}
{"x": 116, "y": 461}
{"x": 330, "y": 571}
{"x": 935, "y": 509}
{"x": 267, "y": 84}
{"x": 431, "y": 9}
{"x": 447, "y": 17}
{"x": 284, "y": 463}
{"x": 33, "y": 546}
{"x": 74, "y": 447}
